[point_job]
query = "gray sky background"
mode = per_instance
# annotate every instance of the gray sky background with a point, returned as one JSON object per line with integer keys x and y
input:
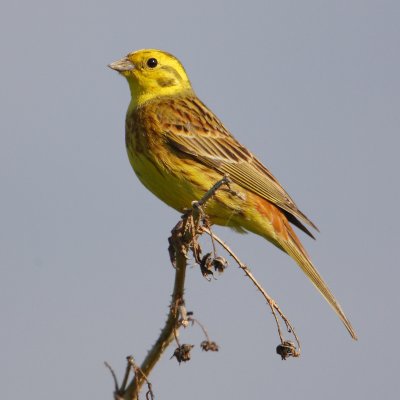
{"x": 311, "y": 87}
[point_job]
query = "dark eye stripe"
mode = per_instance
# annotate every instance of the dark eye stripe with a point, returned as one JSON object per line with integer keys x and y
{"x": 164, "y": 82}
{"x": 173, "y": 71}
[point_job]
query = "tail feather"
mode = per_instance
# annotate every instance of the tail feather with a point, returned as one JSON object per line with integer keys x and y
{"x": 295, "y": 249}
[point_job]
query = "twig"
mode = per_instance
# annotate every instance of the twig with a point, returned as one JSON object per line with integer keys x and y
{"x": 183, "y": 236}
{"x": 194, "y": 320}
{"x": 116, "y": 387}
{"x": 129, "y": 360}
{"x": 167, "y": 333}
{"x": 210, "y": 193}
{"x": 176, "y": 337}
{"x": 208, "y": 344}
{"x": 271, "y": 302}
{"x": 137, "y": 370}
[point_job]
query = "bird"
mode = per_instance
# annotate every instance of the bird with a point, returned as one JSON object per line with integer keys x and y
{"x": 179, "y": 148}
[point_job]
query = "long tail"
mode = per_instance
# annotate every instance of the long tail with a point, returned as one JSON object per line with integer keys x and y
{"x": 294, "y": 248}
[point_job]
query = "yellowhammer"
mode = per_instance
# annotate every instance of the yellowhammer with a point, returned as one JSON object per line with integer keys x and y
{"x": 179, "y": 149}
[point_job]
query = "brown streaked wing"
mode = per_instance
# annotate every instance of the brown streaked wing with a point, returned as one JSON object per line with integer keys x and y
{"x": 193, "y": 129}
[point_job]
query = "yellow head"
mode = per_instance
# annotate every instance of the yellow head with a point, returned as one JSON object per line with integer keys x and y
{"x": 152, "y": 73}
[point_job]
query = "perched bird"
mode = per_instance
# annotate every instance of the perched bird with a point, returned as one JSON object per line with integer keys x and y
{"x": 178, "y": 149}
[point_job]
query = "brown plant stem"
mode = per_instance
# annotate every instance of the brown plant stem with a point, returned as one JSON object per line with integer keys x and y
{"x": 167, "y": 333}
{"x": 271, "y": 302}
{"x": 182, "y": 237}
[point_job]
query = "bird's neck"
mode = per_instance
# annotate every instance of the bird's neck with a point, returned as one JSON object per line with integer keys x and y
{"x": 140, "y": 96}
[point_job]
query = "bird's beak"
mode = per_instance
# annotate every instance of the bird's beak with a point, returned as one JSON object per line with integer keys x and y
{"x": 122, "y": 65}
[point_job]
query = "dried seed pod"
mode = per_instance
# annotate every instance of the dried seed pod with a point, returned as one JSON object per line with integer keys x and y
{"x": 206, "y": 265}
{"x": 287, "y": 349}
{"x": 182, "y": 353}
{"x": 219, "y": 264}
{"x": 207, "y": 345}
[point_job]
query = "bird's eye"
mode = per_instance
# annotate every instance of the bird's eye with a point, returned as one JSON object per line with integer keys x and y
{"x": 152, "y": 63}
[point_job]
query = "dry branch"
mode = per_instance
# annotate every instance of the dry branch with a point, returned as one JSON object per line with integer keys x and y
{"x": 184, "y": 238}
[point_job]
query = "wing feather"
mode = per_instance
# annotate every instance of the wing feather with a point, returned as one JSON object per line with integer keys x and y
{"x": 201, "y": 135}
